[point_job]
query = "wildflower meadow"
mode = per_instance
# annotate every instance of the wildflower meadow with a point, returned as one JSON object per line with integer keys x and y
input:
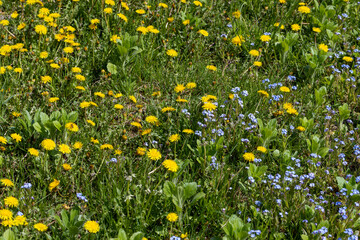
{"x": 179, "y": 119}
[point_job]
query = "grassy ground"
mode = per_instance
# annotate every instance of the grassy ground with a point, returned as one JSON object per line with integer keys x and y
{"x": 179, "y": 119}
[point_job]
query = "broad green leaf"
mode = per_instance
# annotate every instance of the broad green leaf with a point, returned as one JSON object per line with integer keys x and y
{"x": 341, "y": 181}
{"x": 137, "y": 236}
{"x": 57, "y": 125}
{"x": 112, "y": 68}
{"x": 169, "y": 188}
{"x": 44, "y": 118}
{"x": 73, "y": 116}
{"x": 9, "y": 235}
{"x": 37, "y": 127}
{"x": 189, "y": 189}
{"x": 197, "y": 197}
{"x": 122, "y": 235}
{"x": 304, "y": 237}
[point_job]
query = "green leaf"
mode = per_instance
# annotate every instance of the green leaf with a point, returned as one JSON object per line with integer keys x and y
{"x": 112, "y": 68}
{"x": 189, "y": 189}
{"x": 304, "y": 237}
{"x": 57, "y": 125}
{"x": 122, "y": 235}
{"x": 344, "y": 111}
{"x": 73, "y": 116}
{"x": 27, "y": 117}
{"x": 37, "y": 127}
{"x": 44, "y": 118}
{"x": 341, "y": 181}
{"x": 58, "y": 219}
{"x": 355, "y": 198}
{"x": 320, "y": 95}
{"x": 356, "y": 224}
{"x": 55, "y": 115}
{"x": 122, "y": 50}
{"x": 74, "y": 215}
{"x": 197, "y": 197}
{"x": 323, "y": 151}
{"x": 9, "y": 235}
{"x": 169, "y": 188}
{"x": 65, "y": 218}
{"x": 137, "y": 236}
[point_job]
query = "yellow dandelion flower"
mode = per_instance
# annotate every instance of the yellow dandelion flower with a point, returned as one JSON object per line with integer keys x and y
{"x": 92, "y": 226}
{"x": 85, "y": 104}
{"x": 152, "y": 119}
{"x": 179, "y": 88}
{"x": 68, "y": 50}
{"x": 249, "y": 157}
{"x": 263, "y": 93}
{"x": 33, "y": 152}
{"x": 6, "y": 182}
{"x": 40, "y": 227}
{"x": 209, "y": 106}
{"x": 172, "y": 217}
{"x": 5, "y": 214}
{"x": 284, "y": 89}
{"x": 146, "y": 131}
{"x": 236, "y": 14}
{"x": 257, "y": 64}
{"x": 301, "y": 128}
{"x": 77, "y": 145}
{"x": 265, "y": 38}
{"x": 198, "y": 3}
{"x": 190, "y": 85}
{"x": 186, "y": 22}
{"x": 41, "y": 29}
{"x": 53, "y": 184}
{"x": 323, "y": 47}
{"x": 304, "y": 9}
{"x": 48, "y": 144}
{"x": 72, "y": 127}
{"x": 44, "y": 55}
{"x": 64, "y": 149}
{"x": 203, "y": 32}
{"x": 168, "y": 109}
{"x": 211, "y": 67}
{"x": 254, "y": 53}
{"x": 348, "y": 59}
{"x": 140, "y": 151}
{"x": 170, "y": 165}
{"x": 16, "y": 137}
{"x": 174, "y": 138}
{"x": 95, "y": 141}
{"x": 123, "y": 17}
{"x": 106, "y": 146}
{"x": 292, "y": 111}
{"x": 124, "y": 5}
{"x": 108, "y": 10}
{"x": 261, "y": 149}
{"x": 153, "y": 154}
{"x": 172, "y": 53}
{"x": 188, "y": 131}
{"x": 317, "y": 30}
{"x": 140, "y": 11}
{"x": 295, "y": 27}
{"x": 80, "y": 77}
{"x": 238, "y": 40}
{"x": 133, "y": 99}
{"x": 46, "y": 79}
{"x": 11, "y": 201}
{"x": 67, "y": 167}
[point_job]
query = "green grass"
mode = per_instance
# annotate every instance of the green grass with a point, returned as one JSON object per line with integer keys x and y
{"x": 294, "y": 190}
